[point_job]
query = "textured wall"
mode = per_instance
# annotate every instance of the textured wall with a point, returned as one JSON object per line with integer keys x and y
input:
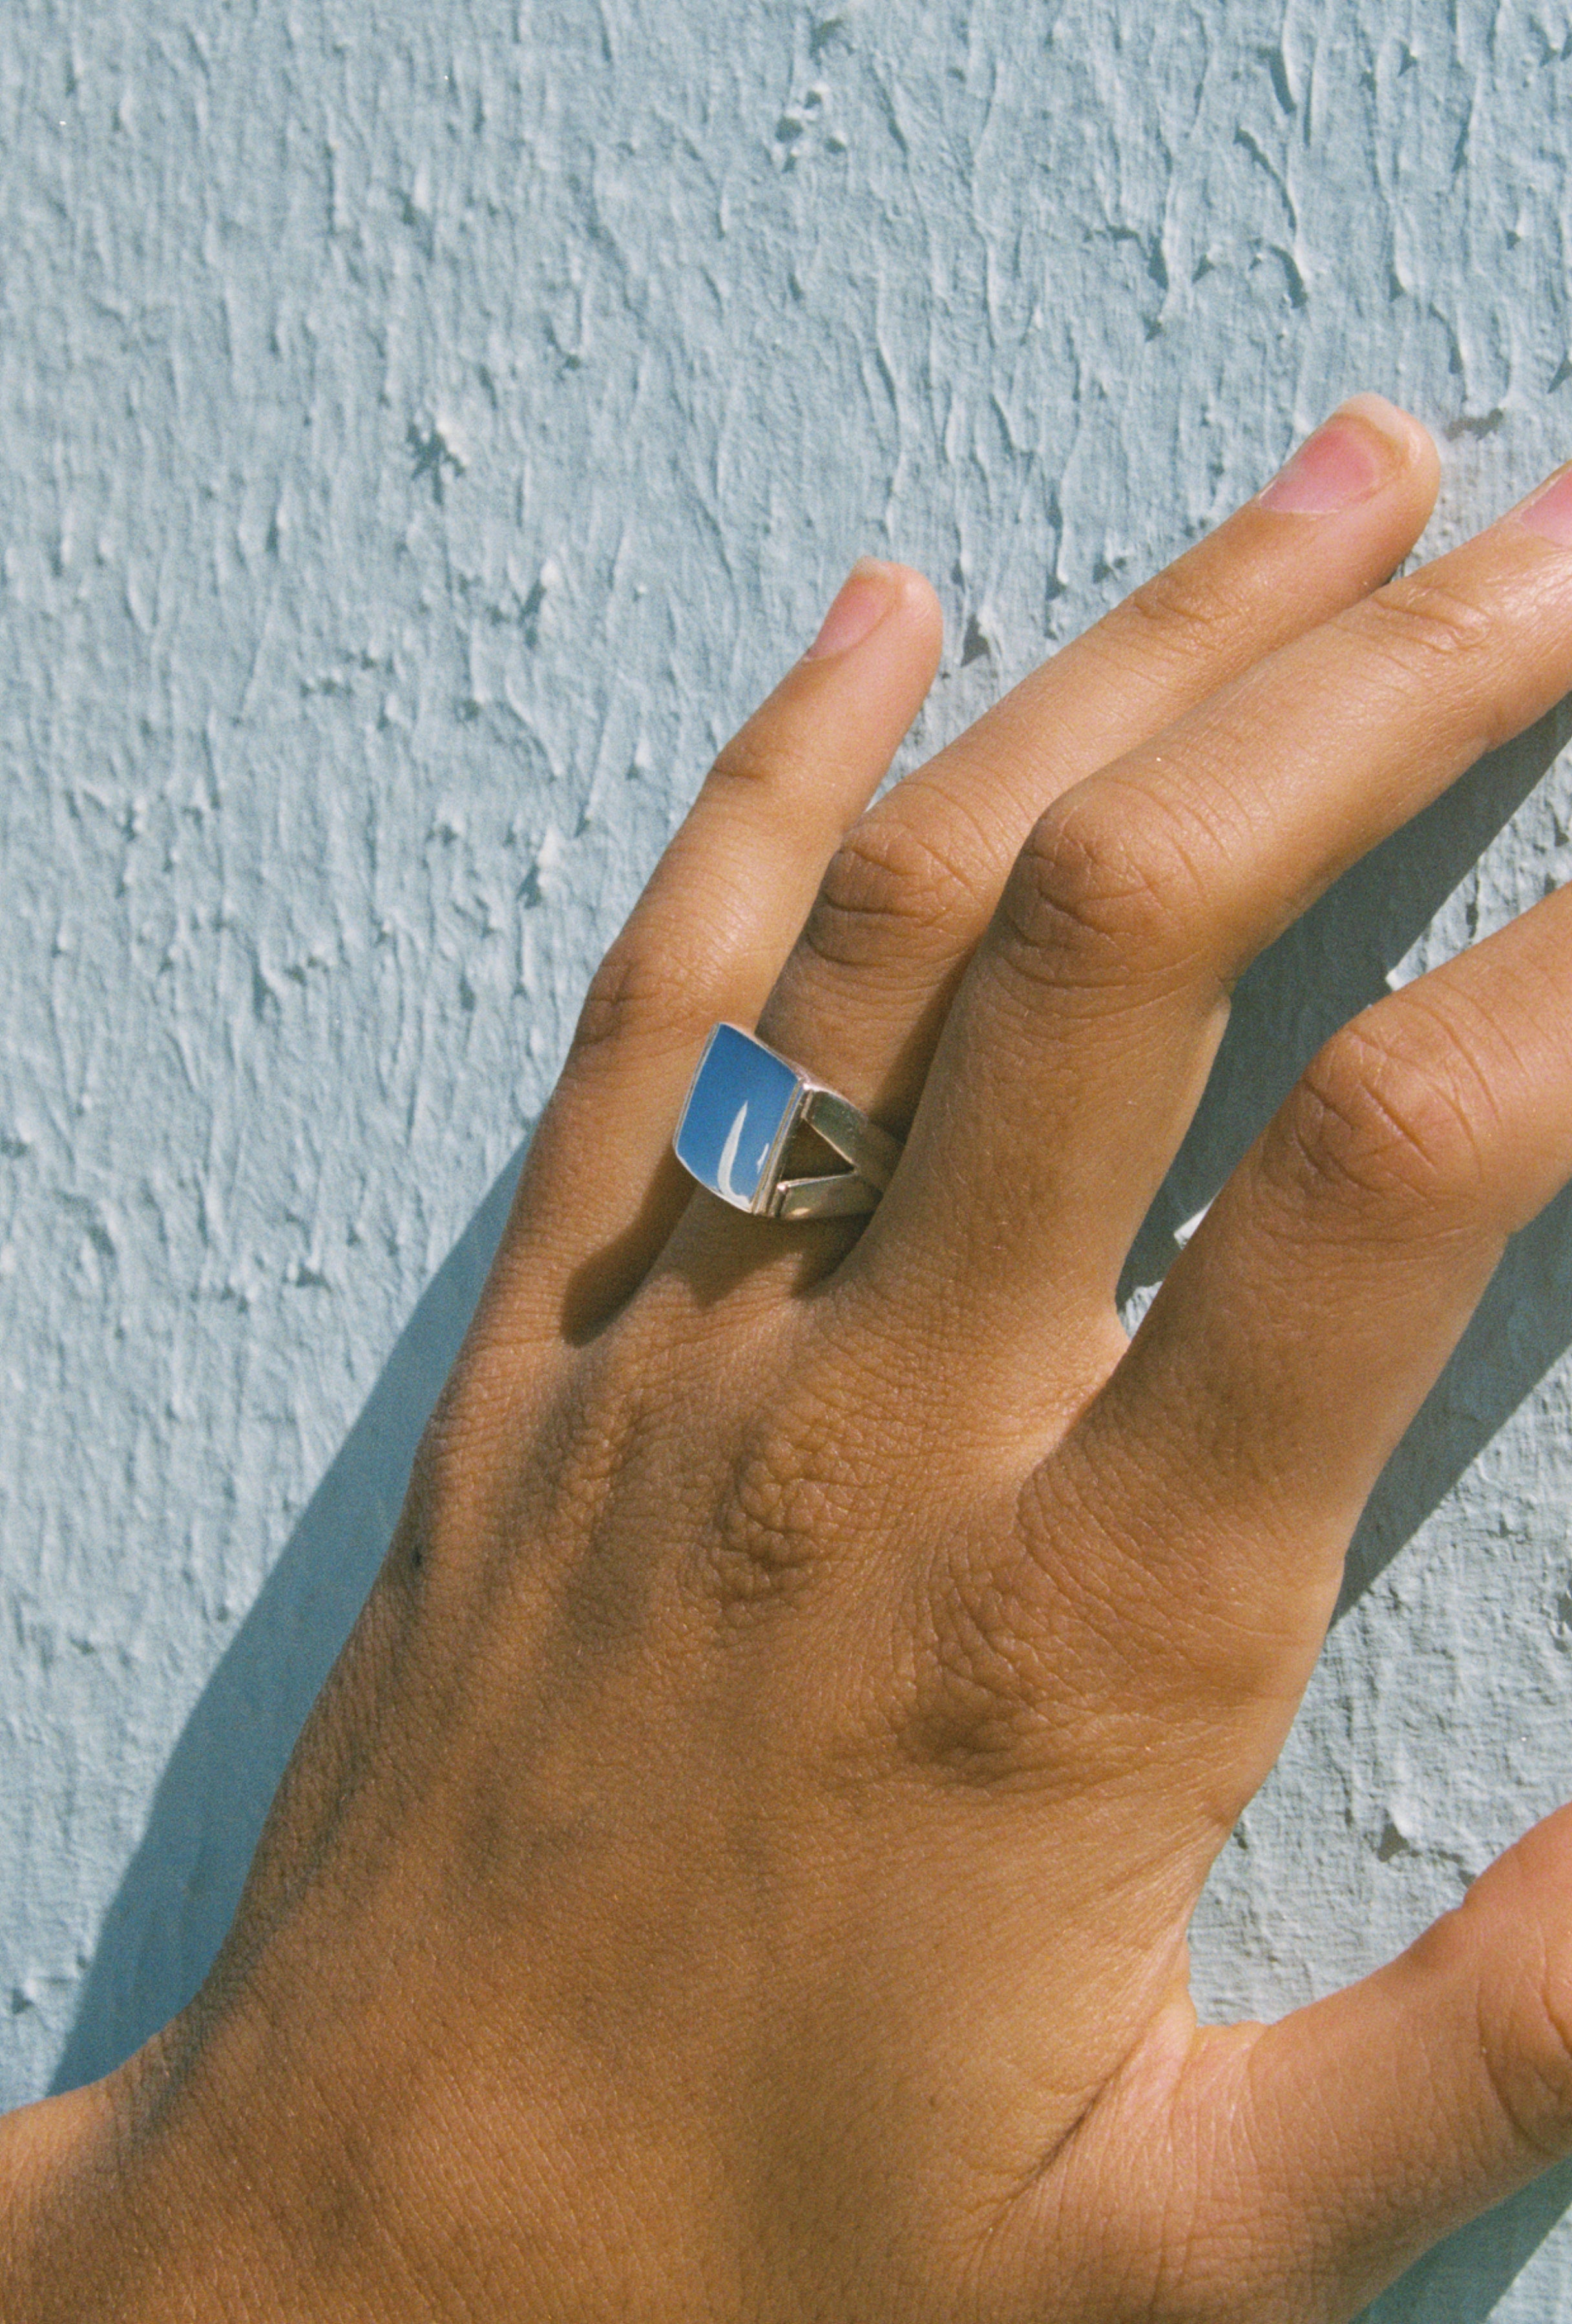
{"x": 425, "y": 426}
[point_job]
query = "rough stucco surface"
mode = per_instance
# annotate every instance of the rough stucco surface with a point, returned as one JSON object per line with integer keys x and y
{"x": 424, "y": 430}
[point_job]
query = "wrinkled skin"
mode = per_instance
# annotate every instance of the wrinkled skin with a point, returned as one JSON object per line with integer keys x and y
{"x": 739, "y": 1867}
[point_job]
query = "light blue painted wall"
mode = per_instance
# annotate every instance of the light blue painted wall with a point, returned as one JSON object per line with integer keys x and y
{"x": 424, "y": 430}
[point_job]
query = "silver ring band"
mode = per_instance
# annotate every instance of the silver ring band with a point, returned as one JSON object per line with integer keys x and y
{"x": 745, "y": 1107}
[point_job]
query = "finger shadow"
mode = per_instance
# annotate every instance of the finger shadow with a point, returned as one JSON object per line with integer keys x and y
{"x": 1330, "y": 965}
{"x": 1462, "y": 2280}
{"x": 1333, "y": 962}
{"x": 179, "y": 1891}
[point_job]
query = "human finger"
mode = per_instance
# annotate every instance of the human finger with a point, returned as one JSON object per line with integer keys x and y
{"x": 1351, "y": 2136}
{"x": 1076, "y": 1050}
{"x": 600, "y": 1192}
{"x": 1296, "y": 1336}
{"x": 909, "y": 891}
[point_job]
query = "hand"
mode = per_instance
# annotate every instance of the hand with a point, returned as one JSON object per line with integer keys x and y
{"x": 739, "y": 1867}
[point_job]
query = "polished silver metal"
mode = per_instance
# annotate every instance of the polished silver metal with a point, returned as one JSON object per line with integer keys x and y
{"x": 746, "y": 1104}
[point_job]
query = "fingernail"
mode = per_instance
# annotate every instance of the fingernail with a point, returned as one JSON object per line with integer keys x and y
{"x": 866, "y": 596}
{"x": 1342, "y": 462}
{"x": 1550, "y": 512}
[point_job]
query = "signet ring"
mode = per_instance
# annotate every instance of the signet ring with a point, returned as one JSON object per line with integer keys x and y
{"x": 744, "y": 1111}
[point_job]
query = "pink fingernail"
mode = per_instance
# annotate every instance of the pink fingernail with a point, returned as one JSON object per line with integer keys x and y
{"x": 866, "y": 597}
{"x": 1332, "y": 469}
{"x": 1550, "y": 512}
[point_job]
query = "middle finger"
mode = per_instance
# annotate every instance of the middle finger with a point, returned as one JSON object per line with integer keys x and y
{"x": 1075, "y": 1053}
{"x": 909, "y": 891}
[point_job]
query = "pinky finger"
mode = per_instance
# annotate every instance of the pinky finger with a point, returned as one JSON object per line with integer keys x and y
{"x": 600, "y": 1192}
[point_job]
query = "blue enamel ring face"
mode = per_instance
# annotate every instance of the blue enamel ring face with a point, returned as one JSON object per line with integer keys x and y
{"x": 738, "y": 1114}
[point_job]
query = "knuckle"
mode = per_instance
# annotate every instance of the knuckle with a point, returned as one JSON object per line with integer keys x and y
{"x": 760, "y": 757}
{"x": 974, "y": 1712}
{"x": 886, "y": 881}
{"x": 1183, "y": 611}
{"x": 658, "y": 982}
{"x": 1426, "y": 624}
{"x": 1390, "y": 1113}
{"x": 778, "y": 1509}
{"x": 1519, "y": 2028}
{"x": 1105, "y": 883}
{"x": 1529, "y": 2066}
{"x": 645, "y": 991}
{"x": 622, "y": 987}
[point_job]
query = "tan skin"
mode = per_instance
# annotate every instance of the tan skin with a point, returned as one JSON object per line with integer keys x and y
{"x": 739, "y": 1867}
